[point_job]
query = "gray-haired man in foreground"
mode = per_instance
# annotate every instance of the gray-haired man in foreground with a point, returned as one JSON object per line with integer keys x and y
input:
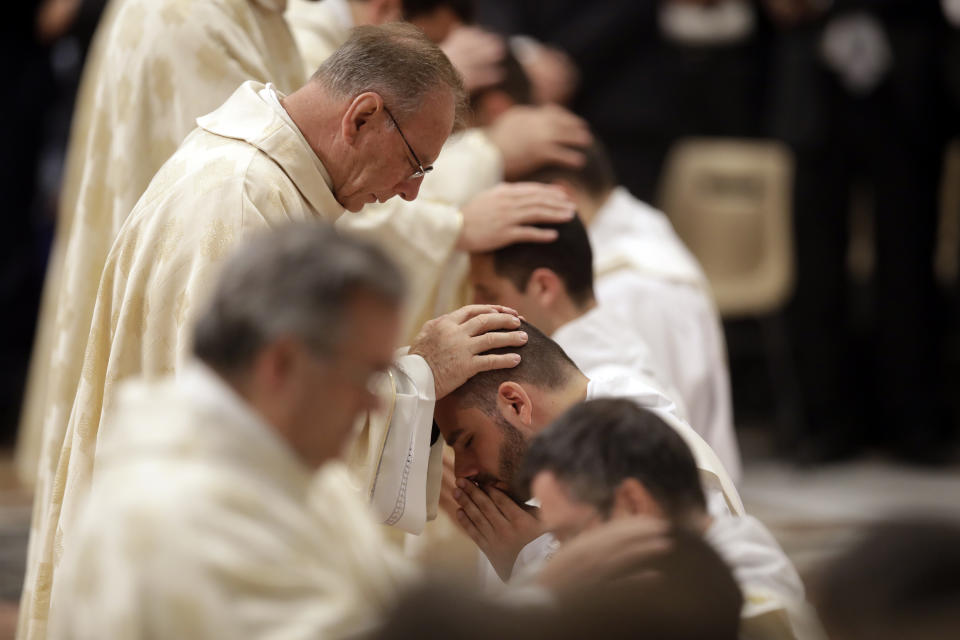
{"x": 206, "y": 518}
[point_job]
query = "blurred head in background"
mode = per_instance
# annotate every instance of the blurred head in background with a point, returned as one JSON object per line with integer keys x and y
{"x": 438, "y": 18}
{"x": 900, "y": 580}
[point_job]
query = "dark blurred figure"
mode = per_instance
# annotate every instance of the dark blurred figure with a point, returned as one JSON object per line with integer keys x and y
{"x": 650, "y": 71}
{"x": 902, "y": 580}
{"x": 855, "y": 93}
{"x": 688, "y": 594}
{"x": 29, "y": 90}
{"x": 42, "y": 44}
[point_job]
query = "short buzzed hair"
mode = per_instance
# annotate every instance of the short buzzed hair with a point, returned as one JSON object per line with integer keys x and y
{"x": 569, "y": 256}
{"x": 597, "y": 445}
{"x": 398, "y": 62}
{"x": 543, "y": 364}
{"x": 596, "y": 176}
{"x": 295, "y": 281}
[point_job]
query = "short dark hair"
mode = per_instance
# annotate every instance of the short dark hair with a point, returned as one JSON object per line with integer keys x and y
{"x": 543, "y": 363}
{"x": 569, "y": 256}
{"x": 416, "y": 8}
{"x": 294, "y": 281}
{"x": 515, "y": 83}
{"x": 597, "y": 445}
{"x": 596, "y": 176}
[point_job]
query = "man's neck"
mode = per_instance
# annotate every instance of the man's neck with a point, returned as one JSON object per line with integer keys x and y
{"x": 317, "y": 118}
{"x": 559, "y": 401}
{"x": 588, "y": 206}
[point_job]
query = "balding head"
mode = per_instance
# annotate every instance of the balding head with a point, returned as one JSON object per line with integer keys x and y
{"x": 396, "y": 61}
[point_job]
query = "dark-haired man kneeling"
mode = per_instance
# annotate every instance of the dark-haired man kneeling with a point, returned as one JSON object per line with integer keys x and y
{"x": 489, "y": 420}
{"x": 609, "y": 459}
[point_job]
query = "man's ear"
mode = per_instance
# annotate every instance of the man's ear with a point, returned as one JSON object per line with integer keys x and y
{"x": 275, "y": 364}
{"x": 514, "y": 404}
{"x": 631, "y": 498}
{"x": 359, "y": 112}
{"x": 545, "y": 286}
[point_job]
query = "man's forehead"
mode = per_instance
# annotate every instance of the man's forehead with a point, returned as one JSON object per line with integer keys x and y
{"x": 451, "y": 417}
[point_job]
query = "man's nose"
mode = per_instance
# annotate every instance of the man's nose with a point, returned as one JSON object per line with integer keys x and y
{"x": 464, "y": 466}
{"x": 408, "y": 189}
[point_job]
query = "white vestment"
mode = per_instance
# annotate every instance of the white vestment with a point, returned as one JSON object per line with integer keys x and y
{"x": 774, "y": 603}
{"x": 601, "y": 337}
{"x": 244, "y": 170}
{"x": 203, "y": 523}
{"x": 319, "y": 28}
{"x": 154, "y": 68}
{"x": 644, "y": 272}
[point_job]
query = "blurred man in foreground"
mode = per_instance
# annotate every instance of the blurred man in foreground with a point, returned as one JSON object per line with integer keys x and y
{"x": 610, "y": 459}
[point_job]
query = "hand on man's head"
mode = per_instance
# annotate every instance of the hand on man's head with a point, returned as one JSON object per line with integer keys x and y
{"x": 452, "y": 344}
{"x": 507, "y": 214}
{"x": 532, "y": 137}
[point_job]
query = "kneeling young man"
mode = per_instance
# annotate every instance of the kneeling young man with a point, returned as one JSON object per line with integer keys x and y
{"x": 489, "y": 421}
{"x": 609, "y": 459}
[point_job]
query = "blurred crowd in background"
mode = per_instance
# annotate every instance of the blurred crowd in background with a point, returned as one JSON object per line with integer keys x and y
{"x": 858, "y": 352}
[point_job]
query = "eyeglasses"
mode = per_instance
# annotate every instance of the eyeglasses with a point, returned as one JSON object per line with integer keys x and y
{"x": 421, "y": 170}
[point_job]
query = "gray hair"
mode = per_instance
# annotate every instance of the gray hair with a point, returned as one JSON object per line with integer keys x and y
{"x": 396, "y": 61}
{"x": 294, "y": 281}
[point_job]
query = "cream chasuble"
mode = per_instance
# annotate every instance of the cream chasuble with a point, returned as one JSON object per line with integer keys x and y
{"x": 319, "y": 28}
{"x": 644, "y": 272}
{"x": 216, "y": 530}
{"x": 246, "y": 168}
{"x": 156, "y": 65}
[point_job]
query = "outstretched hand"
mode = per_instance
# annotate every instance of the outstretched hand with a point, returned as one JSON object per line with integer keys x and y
{"x": 507, "y": 213}
{"x": 532, "y": 137}
{"x": 452, "y": 344}
{"x": 616, "y": 551}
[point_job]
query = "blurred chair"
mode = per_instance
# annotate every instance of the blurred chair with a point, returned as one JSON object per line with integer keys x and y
{"x": 730, "y": 202}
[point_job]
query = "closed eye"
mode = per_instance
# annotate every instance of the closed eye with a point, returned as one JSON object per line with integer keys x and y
{"x": 466, "y": 445}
